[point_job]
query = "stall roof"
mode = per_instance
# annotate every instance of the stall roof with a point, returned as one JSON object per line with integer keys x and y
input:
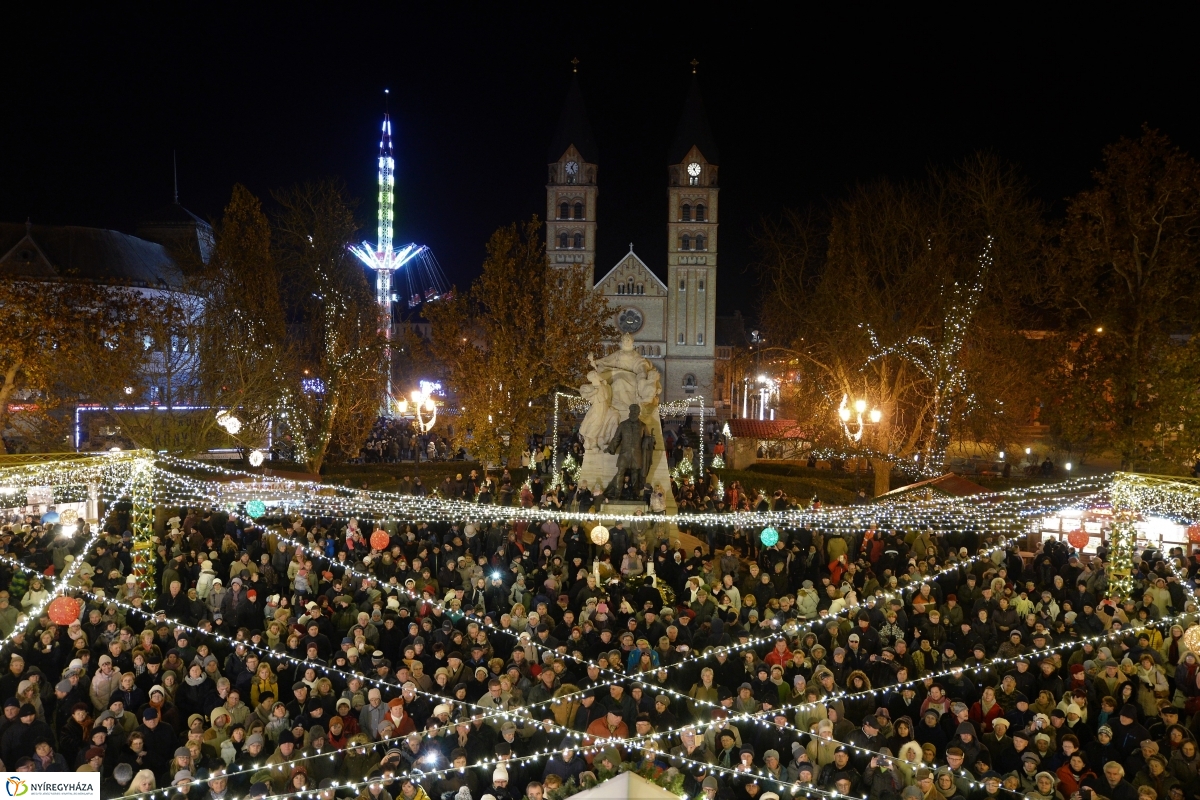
{"x": 949, "y": 484}
{"x": 765, "y": 429}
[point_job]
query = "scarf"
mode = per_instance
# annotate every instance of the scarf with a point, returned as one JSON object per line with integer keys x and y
{"x": 190, "y": 681}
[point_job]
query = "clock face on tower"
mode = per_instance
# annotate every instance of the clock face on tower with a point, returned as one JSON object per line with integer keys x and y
{"x": 694, "y": 169}
{"x": 629, "y": 320}
{"x": 572, "y": 168}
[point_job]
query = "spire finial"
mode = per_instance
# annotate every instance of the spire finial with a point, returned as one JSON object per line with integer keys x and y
{"x": 574, "y": 65}
{"x": 695, "y": 64}
{"x": 387, "y": 101}
{"x": 631, "y": 247}
{"x": 28, "y": 225}
{"x": 175, "y": 168}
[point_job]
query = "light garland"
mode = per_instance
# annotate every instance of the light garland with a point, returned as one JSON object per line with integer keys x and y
{"x": 1017, "y": 506}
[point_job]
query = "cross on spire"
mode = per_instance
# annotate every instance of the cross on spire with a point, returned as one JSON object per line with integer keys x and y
{"x": 574, "y": 65}
{"x": 695, "y": 64}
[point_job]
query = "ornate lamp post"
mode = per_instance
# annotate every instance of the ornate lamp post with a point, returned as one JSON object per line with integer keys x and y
{"x": 855, "y": 435}
{"x": 420, "y": 399}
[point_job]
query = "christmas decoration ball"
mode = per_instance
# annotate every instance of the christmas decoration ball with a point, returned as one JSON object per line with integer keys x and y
{"x": 599, "y": 535}
{"x": 63, "y": 610}
{"x": 68, "y": 516}
{"x": 769, "y": 537}
{"x": 1077, "y": 539}
{"x": 255, "y": 508}
{"x": 379, "y": 540}
{"x": 1191, "y": 638}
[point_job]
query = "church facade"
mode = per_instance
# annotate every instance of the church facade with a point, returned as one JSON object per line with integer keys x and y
{"x": 673, "y": 322}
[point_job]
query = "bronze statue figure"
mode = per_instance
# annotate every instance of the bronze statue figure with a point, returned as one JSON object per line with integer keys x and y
{"x": 630, "y": 443}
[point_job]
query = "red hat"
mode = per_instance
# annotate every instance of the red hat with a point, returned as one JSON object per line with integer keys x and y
{"x": 251, "y": 595}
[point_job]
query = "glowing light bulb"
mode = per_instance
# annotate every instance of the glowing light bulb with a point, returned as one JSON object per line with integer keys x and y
{"x": 860, "y": 406}
{"x": 876, "y": 415}
{"x": 844, "y": 413}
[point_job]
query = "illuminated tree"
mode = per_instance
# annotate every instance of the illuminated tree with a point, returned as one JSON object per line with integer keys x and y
{"x": 521, "y": 333}
{"x": 334, "y": 322}
{"x": 878, "y": 302}
{"x": 1124, "y": 274}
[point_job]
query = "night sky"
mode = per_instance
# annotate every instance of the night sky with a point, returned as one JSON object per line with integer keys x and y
{"x": 801, "y": 107}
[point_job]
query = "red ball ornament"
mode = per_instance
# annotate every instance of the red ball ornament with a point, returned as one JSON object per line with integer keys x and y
{"x": 379, "y": 540}
{"x": 1078, "y": 539}
{"x": 1193, "y": 534}
{"x": 63, "y": 610}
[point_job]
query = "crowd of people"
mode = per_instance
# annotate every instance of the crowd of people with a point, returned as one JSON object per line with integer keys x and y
{"x": 287, "y": 657}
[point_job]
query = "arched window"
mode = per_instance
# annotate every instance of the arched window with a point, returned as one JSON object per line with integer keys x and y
{"x": 579, "y": 241}
{"x": 641, "y": 288}
{"x": 579, "y": 211}
{"x": 620, "y": 288}
{"x": 562, "y": 240}
{"x": 629, "y": 290}
{"x": 689, "y": 382}
{"x": 685, "y": 243}
{"x": 685, "y": 213}
{"x": 564, "y": 211}
{"x": 699, "y": 212}
{"x": 699, "y": 241}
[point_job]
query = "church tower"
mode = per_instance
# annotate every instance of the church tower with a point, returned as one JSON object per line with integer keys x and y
{"x": 571, "y": 189}
{"x": 692, "y": 216}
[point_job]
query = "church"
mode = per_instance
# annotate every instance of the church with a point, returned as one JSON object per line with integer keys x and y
{"x": 673, "y": 323}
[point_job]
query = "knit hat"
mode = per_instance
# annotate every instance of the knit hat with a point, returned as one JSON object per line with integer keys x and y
{"x": 500, "y": 774}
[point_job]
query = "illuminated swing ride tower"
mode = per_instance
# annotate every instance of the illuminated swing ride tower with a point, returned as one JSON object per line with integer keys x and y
{"x": 425, "y": 281}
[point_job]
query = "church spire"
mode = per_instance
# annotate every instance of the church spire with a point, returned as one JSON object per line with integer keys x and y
{"x": 573, "y": 127}
{"x": 693, "y": 130}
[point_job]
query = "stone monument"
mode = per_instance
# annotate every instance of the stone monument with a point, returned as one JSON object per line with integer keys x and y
{"x": 623, "y": 383}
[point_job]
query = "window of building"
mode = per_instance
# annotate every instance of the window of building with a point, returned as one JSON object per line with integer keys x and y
{"x": 699, "y": 212}
{"x": 620, "y": 288}
{"x": 689, "y": 383}
{"x": 685, "y": 243}
{"x": 699, "y": 241}
{"x": 699, "y": 338}
{"x": 562, "y": 240}
{"x": 701, "y": 286}
{"x": 579, "y": 211}
{"x": 685, "y": 213}
{"x": 683, "y": 284}
{"x": 693, "y": 180}
{"x": 681, "y": 339}
{"x": 641, "y": 288}
{"x": 564, "y": 211}
{"x": 579, "y": 241}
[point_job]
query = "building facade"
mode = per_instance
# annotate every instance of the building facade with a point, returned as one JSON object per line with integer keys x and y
{"x": 673, "y": 322}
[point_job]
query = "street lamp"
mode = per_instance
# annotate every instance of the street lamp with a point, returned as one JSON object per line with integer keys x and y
{"x": 420, "y": 399}
{"x": 860, "y": 406}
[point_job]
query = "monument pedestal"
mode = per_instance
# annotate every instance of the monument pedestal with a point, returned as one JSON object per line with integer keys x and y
{"x": 599, "y": 467}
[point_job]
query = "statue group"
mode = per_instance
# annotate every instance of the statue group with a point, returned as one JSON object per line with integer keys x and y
{"x": 623, "y": 383}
